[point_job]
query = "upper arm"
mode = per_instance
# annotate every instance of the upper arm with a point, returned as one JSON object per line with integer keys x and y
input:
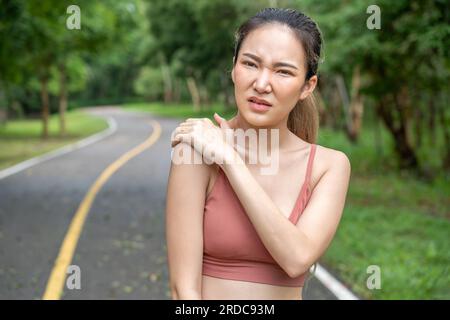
{"x": 185, "y": 202}
{"x": 321, "y": 217}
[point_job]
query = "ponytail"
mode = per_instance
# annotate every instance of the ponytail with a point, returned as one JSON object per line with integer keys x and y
{"x": 303, "y": 120}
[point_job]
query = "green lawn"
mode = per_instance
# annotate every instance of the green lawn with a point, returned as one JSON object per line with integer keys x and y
{"x": 180, "y": 111}
{"x": 401, "y": 225}
{"x": 21, "y": 139}
{"x": 392, "y": 219}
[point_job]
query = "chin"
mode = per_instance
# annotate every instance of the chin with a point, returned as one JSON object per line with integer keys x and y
{"x": 257, "y": 119}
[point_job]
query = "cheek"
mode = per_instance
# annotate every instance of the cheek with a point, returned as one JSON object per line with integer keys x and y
{"x": 287, "y": 90}
{"x": 242, "y": 77}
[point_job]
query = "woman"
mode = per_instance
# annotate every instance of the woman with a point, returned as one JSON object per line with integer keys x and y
{"x": 232, "y": 232}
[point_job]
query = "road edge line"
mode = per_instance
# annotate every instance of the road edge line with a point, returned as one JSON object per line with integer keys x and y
{"x": 334, "y": 285}
{"x": 55, "y": 283}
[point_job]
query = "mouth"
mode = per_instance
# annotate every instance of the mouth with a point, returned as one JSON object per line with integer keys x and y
{"x": 259, "y": 105}
{"x": 258, "y": 101}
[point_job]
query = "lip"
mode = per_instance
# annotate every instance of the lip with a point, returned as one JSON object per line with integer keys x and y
{"x": 259, "y": 105}
{"x": 259, "y": 101}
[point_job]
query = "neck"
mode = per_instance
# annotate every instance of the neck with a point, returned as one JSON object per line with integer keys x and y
{"x": 284, "y": 134}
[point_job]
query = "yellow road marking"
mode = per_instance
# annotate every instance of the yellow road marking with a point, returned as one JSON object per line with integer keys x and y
{"x": 55, "y": 284}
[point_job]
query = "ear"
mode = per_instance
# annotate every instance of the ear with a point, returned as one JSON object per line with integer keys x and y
{"x": 232, "y": 74}
{"x": 308, "y": 87}
{"x": 232, "y": 70}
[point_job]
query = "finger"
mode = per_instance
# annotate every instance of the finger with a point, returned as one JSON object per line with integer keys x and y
{"x": 223, "y": 123}
{"x": 179, "y": 131}
{"x": 197, "y": 119}
{"x": 192, "y": 120}
{"x": 186, "y": 137}
{"x": 183, "y": 129}
{"x": 188, "y": 124}
{"x": 174, "y": 143}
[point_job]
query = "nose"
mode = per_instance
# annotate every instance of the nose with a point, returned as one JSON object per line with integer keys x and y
{"x": 262, "y": 82}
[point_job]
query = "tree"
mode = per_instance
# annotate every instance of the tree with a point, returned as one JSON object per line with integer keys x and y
{"x": 38, "y": 42}
{"x": 199, "y": 43}
{"x": 403, "y": 63}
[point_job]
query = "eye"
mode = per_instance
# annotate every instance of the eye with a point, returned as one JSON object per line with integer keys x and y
{"x": 285, "y": 72}
{"x": 248, "y": 63}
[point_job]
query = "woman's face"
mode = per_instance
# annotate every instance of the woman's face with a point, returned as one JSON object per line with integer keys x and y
{"x": 270, "y": 65}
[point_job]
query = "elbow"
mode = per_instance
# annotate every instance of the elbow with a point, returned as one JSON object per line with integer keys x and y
{"x": 174, "y": 294}
{"x": 299, "y": 267}
{"x": 185, "y": 294}
{"x": 296, "y": 272}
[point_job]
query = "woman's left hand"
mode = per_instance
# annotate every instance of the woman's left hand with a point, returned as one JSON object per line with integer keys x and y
{"x": 206, "y": 138}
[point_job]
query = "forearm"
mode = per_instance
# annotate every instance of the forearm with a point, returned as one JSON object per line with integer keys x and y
{"x": 285, "y": 242}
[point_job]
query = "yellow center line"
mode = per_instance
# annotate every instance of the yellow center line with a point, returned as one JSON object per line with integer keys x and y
{"x": 55, "y": 284}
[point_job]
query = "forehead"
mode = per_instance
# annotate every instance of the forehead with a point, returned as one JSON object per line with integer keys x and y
{"x": 274, "y": 42}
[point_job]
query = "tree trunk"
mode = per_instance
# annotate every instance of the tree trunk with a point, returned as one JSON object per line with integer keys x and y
{"x": 62, "y": 99}
{"x": 204, "y": 96}
{"x": 193, "y": 90}
{"x": 356, "y": 109}
{"x": 177, "y": 91}
{"x": 402, "y": 102}
{"x": 433, "y": 114}
{"x": 403, "y": 147}
{"x": 353, "y": 105}
{"x": 418, "y": 132}
{"x": 167, "y": 78}
{"x": 168, "y": 87}
{"x": 335, "y": 109}
{"x": 445, "y": 123}
{"x": 343, "y": 95}
{"x": 45, "y": 107}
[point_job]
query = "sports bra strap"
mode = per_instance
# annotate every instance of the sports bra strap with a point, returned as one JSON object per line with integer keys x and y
{"x": 310, "y": 163}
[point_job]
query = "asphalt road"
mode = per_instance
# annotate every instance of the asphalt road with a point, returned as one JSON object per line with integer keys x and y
{"x": 121, "y": 252}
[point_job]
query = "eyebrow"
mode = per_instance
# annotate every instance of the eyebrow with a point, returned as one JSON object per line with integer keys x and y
{"x": 278, "y": 64}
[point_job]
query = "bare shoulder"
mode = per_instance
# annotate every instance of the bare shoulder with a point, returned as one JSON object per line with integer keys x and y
{"x": 328, "y": 159}
{"x": 188, "y": 167}
{"x": 331, "y": 158}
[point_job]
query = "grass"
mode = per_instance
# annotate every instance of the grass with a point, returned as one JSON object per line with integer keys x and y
{"x": 392, "y": 219}
{"x": 402, "y": 226}
{"x": 180, "y": 111}
{"x": 21, "y": 139}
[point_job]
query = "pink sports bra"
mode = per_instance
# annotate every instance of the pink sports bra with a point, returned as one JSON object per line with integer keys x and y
{"x": 232, "y": 248}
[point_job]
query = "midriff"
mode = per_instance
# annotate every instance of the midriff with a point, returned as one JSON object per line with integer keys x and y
{"x": 224, "y": 289}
